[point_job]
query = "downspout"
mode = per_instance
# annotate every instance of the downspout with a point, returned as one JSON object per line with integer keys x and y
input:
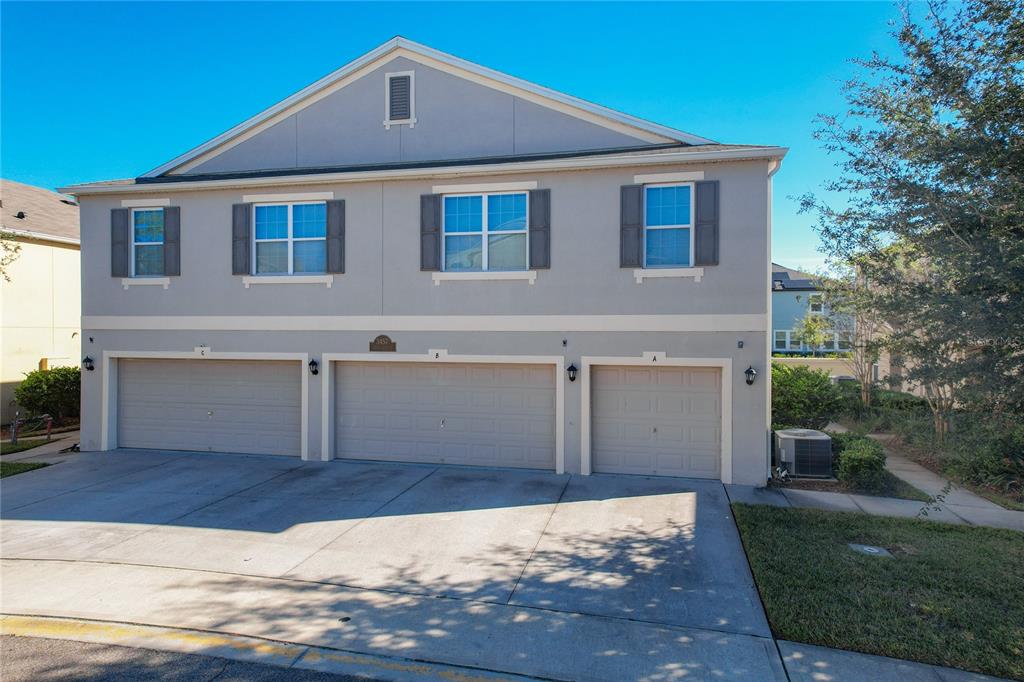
{"x": 773, "y": 168}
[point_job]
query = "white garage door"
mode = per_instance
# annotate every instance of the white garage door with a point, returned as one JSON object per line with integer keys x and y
{"x": 489, "y": 415}
{"x": 663, "y": 421}
{"x": 211, "y": 405}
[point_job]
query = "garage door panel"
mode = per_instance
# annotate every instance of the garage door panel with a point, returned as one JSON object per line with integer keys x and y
{"x": 210, "y": 405}
{"x": 491, "y": 415}
{"x": 656, "y": 420}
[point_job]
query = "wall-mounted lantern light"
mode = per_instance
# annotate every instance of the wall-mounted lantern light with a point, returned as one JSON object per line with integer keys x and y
{"x": 571, "y": 370}
{"x": 751, "y": 374}
{"x": 314, "y": 367}
{"x": 87, "y": 363}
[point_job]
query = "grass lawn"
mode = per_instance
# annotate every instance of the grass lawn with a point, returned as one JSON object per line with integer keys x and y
{"x": 889, "y": 485}
{"x": 26, "y": 444}
{"x": 951, "y": 595}
{"x": 12, "y": 468}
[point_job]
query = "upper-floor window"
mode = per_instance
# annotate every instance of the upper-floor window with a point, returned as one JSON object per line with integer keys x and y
{"x": 668, "y": 219}
{"x": 485, "y": 232}
{"x": 290, "y": 238}
{"x": 147, "y": 242}
{"x": 817, "y": 305}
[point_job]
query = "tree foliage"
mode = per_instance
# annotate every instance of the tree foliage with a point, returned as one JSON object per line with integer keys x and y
{"x": 803, "y": 397}
{"x": 931, "y": 158}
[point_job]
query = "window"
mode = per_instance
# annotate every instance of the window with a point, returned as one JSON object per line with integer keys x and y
{"x": 485, "y": 232}
{"x": 780, "y": 339}
{"x": 816, "y": 305}
{"x": 290, "y": 238}
{"x": 147, "y": 242}
{"x": 668, "y": 217}
{"x": 795, "y": 342}
{"x": 399, "y": 99}
{"x": 844, "y": 340}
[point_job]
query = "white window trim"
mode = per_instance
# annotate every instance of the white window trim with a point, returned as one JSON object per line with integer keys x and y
{"x": 528, "y": 275}
{"x": 690, "y": 227}
{"x": 785, "y": 340}
{"x": 481, "y": 187}
{"x": 655, "y": 178}
{"x": 484, "y": 233}
{"x": 142, "y": 281}
{"x": 291, "y": 244}
{"x": 145, "y": 203}
{"x": 388, "y": 121}
{"x": 815, "y": 299}
{"x": 654, "y": 273}
{"x": 287, "y": 198}
{"x": 131, "y": 227}
{"x": 327, "y": 280}
{"x": 832, "y": 347}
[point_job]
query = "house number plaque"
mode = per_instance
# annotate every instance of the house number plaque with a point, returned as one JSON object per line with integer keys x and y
{"x": 383, "y": 344}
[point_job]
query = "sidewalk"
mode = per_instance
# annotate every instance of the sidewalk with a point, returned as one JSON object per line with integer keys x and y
{"x": 48, "y": 452}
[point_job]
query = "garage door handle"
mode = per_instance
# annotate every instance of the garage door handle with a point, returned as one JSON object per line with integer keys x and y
{"x": 442, "y": 422}
{"x": 654, "y": 429}
{"x": 209, "y": 413}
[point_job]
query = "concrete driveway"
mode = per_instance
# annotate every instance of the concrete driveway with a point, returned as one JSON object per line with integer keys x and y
{"x": 527, "y": 573}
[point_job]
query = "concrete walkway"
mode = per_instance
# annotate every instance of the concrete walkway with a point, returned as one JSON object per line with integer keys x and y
{"x": 958, "y": 506}
{"x": 48, "y": 452}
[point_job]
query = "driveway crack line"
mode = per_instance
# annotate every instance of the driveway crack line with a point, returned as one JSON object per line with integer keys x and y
{"x": 360, "y": 521}
{"x": 85, "y": 488}
{"x": 540, "y": 537}
{"x": 167, "y": 523}
{"x": 403, "y": 593}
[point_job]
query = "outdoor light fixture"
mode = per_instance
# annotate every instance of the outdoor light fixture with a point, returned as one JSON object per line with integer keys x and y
{"x": 571, "y": 369}
{"x": 751, "y": 375}
{"x": 87, "y": 363}
{"x": 314, "y": 367}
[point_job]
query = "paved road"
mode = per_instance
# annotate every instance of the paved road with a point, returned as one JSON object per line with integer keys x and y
{"x": 30, "y": 658}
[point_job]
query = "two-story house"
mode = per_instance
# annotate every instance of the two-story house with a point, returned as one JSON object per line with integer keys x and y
{"x": 420, "y": 259}
{"x": 796, "y": 294}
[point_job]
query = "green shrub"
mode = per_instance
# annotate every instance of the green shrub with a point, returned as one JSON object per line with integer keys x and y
{"x": 861, "y": 463}
{"x": 56, "y": 392}
{"x": 803, "y": 397}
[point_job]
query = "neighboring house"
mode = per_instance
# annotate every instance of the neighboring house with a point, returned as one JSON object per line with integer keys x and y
{"x": 417, "y": 258}
{"x": 794, "y": 295}
{"x": 40, "y": 297}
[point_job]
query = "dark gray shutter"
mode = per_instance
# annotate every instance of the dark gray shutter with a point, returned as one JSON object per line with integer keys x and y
{"x": 540, "y": 229}
{"x": 399, "y": 98}
{"x": 705, "y": 246}
{"x": 631, "y": 226}
{"x": 430, "y": 232}
{"x": 336, "y": 235}
{"x": 172, "y": 241}
{"x": 241, "y": 247}
{"x": 120, "y": 241}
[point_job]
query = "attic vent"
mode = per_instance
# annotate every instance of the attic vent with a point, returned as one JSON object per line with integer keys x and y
{"x": 399, "y": 103}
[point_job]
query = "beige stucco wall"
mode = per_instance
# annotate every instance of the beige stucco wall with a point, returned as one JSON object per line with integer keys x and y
{"x": 40, "y": 314}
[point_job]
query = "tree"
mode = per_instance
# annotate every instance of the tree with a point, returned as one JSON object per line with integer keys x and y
{"x": 8, "y": 253}
{"x": 931, "y": 160}
{"x": 815, "y": 330}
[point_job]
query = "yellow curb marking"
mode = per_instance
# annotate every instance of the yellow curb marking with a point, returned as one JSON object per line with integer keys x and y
{"x": 286, "y": 654}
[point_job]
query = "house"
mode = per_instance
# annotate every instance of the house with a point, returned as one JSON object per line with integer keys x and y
{"x": 420, "y": 259}
{"x": 794, "y": 295}
{"x": 40, "y": 295}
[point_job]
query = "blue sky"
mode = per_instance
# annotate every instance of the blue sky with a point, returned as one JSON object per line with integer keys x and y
{"x": 102, "y": 91}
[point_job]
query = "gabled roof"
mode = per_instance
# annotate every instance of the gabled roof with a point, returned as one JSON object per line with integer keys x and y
{"x": 44, "y": 215}
{"x": 398, "y": 46}
{"x": 787, "y": 279}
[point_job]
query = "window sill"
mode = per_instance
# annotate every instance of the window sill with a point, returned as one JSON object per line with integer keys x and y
{"x": 326, "y": 280}
{"x": 528, "y": 275}
{"x": 653, "y": 273}
{"x": 145, "y": 281}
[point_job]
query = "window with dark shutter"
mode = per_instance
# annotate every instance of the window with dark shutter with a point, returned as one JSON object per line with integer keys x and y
{"x": 400, "y": 104}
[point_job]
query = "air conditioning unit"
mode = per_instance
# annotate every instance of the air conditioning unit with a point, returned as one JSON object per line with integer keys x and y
{"x": 804, "y": 452}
